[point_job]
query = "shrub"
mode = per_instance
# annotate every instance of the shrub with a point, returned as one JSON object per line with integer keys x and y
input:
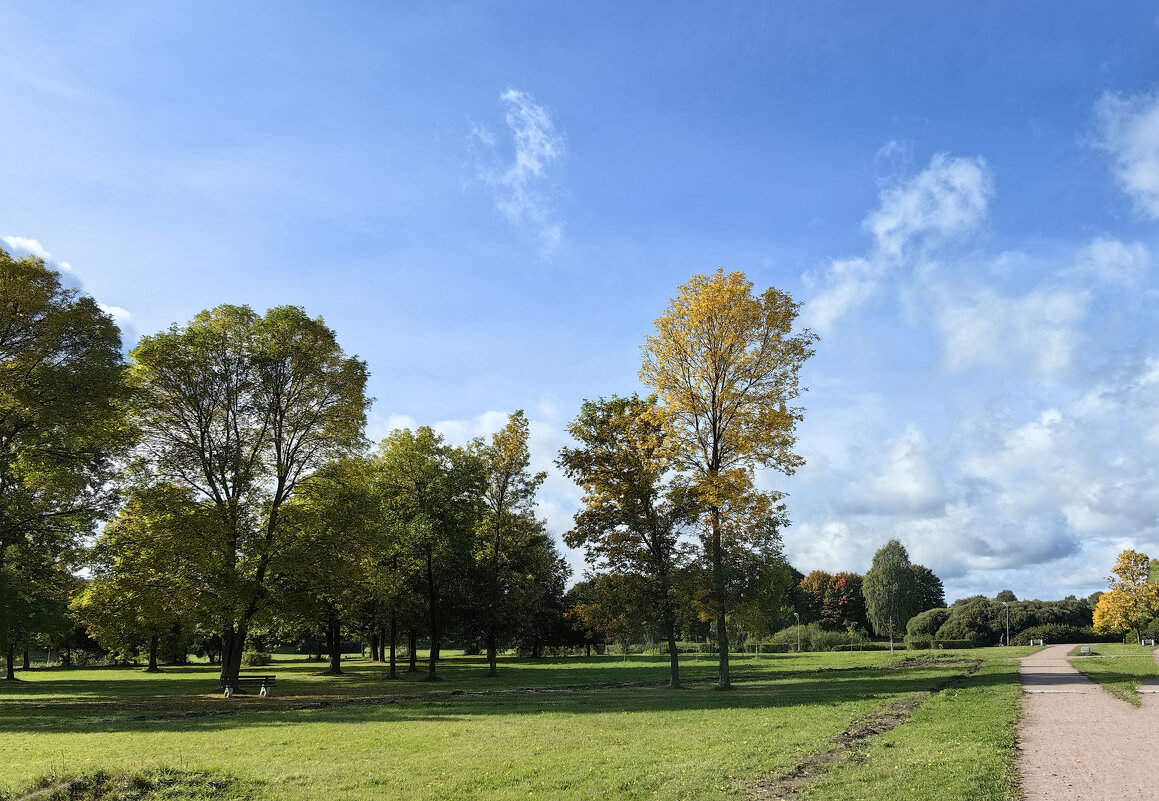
{"x": 1058, "y": 632}
{"x": 926, "y": 624}
{"x": 255, "y": 659}
{"x": 921, "y": 642}
{"x": 955, "y": 644}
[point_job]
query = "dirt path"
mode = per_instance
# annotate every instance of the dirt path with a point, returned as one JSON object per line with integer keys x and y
{"x": 1078, "y": 741}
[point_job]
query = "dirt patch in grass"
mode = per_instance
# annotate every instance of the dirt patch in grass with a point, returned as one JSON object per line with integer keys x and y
{"x": 850, "y": 744}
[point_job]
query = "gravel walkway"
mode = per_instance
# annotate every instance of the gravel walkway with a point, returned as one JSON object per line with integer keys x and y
{"x": 1078, "y": 741}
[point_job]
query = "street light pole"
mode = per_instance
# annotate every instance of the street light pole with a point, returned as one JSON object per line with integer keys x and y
{"x": 1007, "y": 605}
{"x": 798, "y": 631}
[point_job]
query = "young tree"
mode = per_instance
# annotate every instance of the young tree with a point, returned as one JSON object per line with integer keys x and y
{"x": 508, "y": 500}
{"x": 1133, "y": 600}
{"x": 891, "y": 590}
{"x": 240, "y": 408}
{"x": 633, "y": 515}
{"x": 724, "y": 364}
{"x": 61, "y": 420}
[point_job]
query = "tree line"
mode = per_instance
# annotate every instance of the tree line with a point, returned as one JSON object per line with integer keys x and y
{"x": 244, "y": 504}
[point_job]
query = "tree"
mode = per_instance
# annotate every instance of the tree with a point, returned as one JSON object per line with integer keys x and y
{"x": 891, "y": 591}
{"x": 1132, "y": 600}
{"x": 724, "y": 364}
{"x": 432, "y": 496}
{"x": 149, "y": 571}
{"x": 632, "y": 514}
{"x": 239, "y": 409}
{"x": 508, "y": 497}
{"x": 931, "y": 594}
{"x": 61, "y": 423}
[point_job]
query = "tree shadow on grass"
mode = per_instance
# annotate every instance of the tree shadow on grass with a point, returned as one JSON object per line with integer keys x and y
{"x": 102, "y": 713}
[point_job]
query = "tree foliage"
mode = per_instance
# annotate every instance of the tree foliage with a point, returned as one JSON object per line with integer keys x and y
{"x": 891, "y": 591}
{"x": 61, "y": 422}
{"x": 724, "y": 364}
{"x": 240, "y": 408}
{"x": 1132, "y": 601}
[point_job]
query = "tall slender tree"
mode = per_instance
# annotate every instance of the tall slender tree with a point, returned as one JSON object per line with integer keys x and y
{"x": 724, "y": 364}
{"x": 62, "y": 419}
{"x": 892, "y": 594}
{"x": 240, "y": 408}
{"x": 509, "y": 489}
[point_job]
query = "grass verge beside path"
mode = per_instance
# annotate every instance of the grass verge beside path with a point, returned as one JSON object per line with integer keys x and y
{"x": 628, "y": 742}
{"x": 1119, "y": 669}
{"x": 958, "y": 744}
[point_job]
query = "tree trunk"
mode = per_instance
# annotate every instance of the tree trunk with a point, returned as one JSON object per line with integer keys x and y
{"x": 232, "y": 646}
{"x": 154, "y": 641}
{"x": 673, "y": 655}
{"x": 393, "y": 640}
{"x": 10, "y": 657}
{"x": 374, "y": 652}
{"x": 412, "y": 647}
{"x": 27, "y": 663}
{"x": 587, "y": 649}
{"x": 334, "y": 643}
{"x": 536, "y": 647}
{"x": 66, "y": 659}
{"x": 433, "y": 606}
{"x": 491, "y": 668}
{"x": 724, "y": 682}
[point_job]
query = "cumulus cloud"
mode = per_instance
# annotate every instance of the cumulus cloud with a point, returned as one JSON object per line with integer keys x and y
{"x": 904, "y": 483}
{"x": 1128, "y": 130}
{"x": 944, "y": 202}
{"x": 947, "y": 199}
{"x": 1036, "y": 331}
{"x": 1113, "y": 261}
{"x": 524, "y": 193}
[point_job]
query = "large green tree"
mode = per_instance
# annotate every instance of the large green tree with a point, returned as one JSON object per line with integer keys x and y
{"x": 891, "y": 589}
{"x": 240, "y": 408}
{"x": 61, "y": 423}
{"x": 724, "y": 364}
{"x": 633, "y": 514}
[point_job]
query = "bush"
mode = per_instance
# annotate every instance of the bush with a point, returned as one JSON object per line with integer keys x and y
{"x": 920, "y": 642}
{"x": 776, "y": 647}
{"x": 255, "y": 659}
{"x": 955, "y": 643}
{"x": 926, "y": 624}
{"x": 1057, "y": 632}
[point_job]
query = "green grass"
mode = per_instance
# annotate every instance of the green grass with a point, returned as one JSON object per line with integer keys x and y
{"x": 1119, "y": 669}
{"x": 361, "y": 736}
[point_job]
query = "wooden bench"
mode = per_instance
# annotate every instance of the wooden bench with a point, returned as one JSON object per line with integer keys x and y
{"x": 233, "y": 684}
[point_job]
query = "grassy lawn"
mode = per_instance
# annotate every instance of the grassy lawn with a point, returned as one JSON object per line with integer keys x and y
{"x": 1118, "y": 668}
{"x": 521, "y": 735}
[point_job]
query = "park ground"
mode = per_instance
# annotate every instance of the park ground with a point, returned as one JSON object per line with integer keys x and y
{"x": 860, "y": 725}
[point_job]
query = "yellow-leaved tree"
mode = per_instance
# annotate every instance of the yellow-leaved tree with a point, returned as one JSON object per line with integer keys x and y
{"x": 724, "y": 363}
{"x": 1132, "y": 601}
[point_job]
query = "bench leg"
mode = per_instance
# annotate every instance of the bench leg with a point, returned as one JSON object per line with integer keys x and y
{"x": 265, "y": 691}
{"x": 228, "y": 692}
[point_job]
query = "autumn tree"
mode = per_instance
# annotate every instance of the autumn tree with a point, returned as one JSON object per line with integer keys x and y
{"x": 633, "y": 514}
{"x": 1133, "y": 600}
{"x": 724, "y": 364}
{"x": 891, "y": 591}
{"x": 240, "y": 408}
{"x": 509, "y": 489}
{"x": 61, "y": 422}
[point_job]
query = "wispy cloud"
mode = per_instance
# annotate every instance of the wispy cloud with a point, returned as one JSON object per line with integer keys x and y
{"x": 1128, "y": 129}
{"x": 25, "y": 246}
{"x": 524, "y": 192}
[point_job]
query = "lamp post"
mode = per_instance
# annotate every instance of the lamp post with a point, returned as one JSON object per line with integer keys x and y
{"x": 798, "y": 631}
{"x": 1007, "y": 605}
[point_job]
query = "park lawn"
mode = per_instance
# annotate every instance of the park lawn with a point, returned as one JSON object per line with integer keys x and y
{"x": 639, "y": 741}
{"x": 1119, "y": 669}
{"x": 958, "y": 745}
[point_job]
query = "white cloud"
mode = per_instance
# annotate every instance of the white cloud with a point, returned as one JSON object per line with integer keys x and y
{"x": 25, "y": 246}
{"x": 905, "y": 482}
{"x": 1113, "y": 261}
{"x": 1129, "y": 132}
{"x": 1036, "y": 331}
{"x": 524, "y": 194}
{"x": 944, "y": 201}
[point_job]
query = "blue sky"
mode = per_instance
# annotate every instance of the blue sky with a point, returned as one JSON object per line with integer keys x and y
{"x": 492, "y": 202}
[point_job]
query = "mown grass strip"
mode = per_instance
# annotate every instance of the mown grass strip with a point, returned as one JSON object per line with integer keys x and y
{"x": 1118, "y": 669}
